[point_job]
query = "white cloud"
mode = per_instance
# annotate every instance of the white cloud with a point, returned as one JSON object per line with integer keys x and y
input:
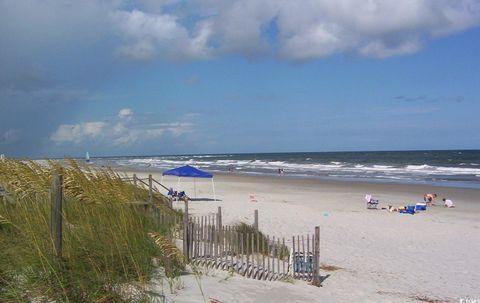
{"x": 125, "y": 113}
{"x": 10, "y": 136}
{"x": 312, "y": 29}
{"x": 203, "y": 29}
{"x": 76, "y": 133}
{"x": 305, "y": 29}
{"x": 148, "y": 36}
{"x": 127, "y": 130}
{"x": 379, "y": 49}
{"x": 128, "y": 136}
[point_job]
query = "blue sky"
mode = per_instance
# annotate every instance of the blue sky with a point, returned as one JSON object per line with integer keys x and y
{"x": 166, "y": 77}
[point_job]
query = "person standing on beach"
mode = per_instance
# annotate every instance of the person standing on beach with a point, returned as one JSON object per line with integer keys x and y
{"x": 430, "y": 198}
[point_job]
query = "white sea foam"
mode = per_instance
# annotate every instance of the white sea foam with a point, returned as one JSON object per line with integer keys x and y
{"x": 303, "y": 167}
{"x": 412, "y": 172}
{"x": 382, "y": 166}
{"x": 419, "y": 167}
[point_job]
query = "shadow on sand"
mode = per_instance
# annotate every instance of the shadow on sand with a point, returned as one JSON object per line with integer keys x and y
{"x": 323, "y": 278}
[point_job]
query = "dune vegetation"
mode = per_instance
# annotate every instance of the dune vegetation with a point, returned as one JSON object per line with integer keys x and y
{"x": 112, "y": 244}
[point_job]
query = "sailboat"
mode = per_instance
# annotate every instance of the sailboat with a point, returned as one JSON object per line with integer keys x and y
{"x": 87, "y": 158}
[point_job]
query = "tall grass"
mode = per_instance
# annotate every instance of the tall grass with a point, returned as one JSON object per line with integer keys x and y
{"x": 264, "y": 246}
{"x": 109, "y": 243}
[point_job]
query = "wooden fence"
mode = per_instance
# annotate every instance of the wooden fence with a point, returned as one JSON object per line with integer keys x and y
{"x": 249, "y": 252}
{"x": 149, "y": 183}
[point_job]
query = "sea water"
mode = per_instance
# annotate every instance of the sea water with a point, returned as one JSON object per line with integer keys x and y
{"x": 459, "y": 168}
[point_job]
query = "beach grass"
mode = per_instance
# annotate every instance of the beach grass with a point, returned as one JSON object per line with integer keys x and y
{"x": 264, "y": 245}
{"x": 111, "y": 246}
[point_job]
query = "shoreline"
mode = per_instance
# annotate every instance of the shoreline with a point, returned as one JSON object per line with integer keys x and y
{"x": 311, "y": 179}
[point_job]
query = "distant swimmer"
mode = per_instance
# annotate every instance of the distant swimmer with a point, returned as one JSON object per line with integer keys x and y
{"x": 430, "y": 198}
{"x": 281, "y": 171}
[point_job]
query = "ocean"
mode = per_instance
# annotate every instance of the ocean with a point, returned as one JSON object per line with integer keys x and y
{"x": 458, "y": 168}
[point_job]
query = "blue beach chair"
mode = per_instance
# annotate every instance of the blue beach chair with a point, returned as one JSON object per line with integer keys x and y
{"x": 303, "y": 264}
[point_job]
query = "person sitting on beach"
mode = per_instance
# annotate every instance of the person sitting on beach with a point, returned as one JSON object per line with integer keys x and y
{"x": 430, "y": 198}
{"x": 448, "y": 203}
{"x": 392, "y": 209}
{"x": 182, "y": 196}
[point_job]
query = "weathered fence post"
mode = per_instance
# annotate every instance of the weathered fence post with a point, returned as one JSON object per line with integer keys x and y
{"x": 294, "y": 258}
{"x": 56, "y": 213}
{"x": 150, "y": 188}
{"x": 219, "y": 218}
{"x": 135, "y": 179}
{"x": 316, "y": 276}
{"x": 185, "y": 231}
{"x": 255, "y": 223}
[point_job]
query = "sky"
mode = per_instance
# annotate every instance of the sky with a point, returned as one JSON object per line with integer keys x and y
{"x": 153, "y": 77}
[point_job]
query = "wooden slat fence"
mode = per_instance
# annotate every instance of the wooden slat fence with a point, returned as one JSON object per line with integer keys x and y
{"x": 165, "y": 218}
{"x": 253, "y": 255}
{"x": 305, "y": 256}
{"x": 249, "y": 252}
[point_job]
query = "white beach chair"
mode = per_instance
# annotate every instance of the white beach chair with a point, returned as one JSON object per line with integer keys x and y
{"x": 371, "y": 203}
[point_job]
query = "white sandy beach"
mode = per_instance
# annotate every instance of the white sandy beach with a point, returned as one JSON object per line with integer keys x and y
{"x": 384, "y": 257}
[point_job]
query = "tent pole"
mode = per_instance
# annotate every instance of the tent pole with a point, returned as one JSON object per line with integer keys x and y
{"x": 178, "y": 184}
{"x": 213, "y": 188}
{"x": 161, "y": 179}
{"x": 195, "y": 187}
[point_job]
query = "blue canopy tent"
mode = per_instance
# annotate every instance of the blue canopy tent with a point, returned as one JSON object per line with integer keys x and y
{"x": 189, "y": 172}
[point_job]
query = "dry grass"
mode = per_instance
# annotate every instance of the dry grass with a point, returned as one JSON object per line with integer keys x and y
{"x": 105, "y": 237}
{"x": 278, "y": 250}
{"x": 28, "y": 179}
{"x": 169, "y": 252}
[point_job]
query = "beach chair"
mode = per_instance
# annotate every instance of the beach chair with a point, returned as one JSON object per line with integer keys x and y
{"x": 302, "y": 264}
{"x": 371, "y": 203}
